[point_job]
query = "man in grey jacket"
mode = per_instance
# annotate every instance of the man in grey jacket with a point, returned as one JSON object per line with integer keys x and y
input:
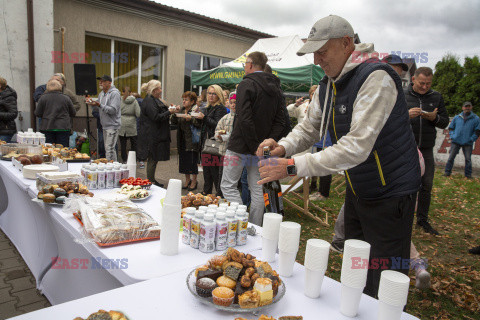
{"x": 108, "y": 103}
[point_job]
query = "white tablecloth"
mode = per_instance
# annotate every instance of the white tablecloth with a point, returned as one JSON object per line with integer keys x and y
{"x": 168, "y": 298}
{"x": 144, "y": 260}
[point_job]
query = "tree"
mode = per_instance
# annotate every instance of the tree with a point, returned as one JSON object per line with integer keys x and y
{"x": 448, "y": 73}
{"x": 469, "y": 86}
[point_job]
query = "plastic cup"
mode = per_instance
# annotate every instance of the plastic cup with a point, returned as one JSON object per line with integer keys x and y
{"x": 316, "y": 254}
{"x": 313, "y": 282}
{"x": 271, "y": 225}
{"x": 388, "y": 312}
{"x": 269, "y": 248}
{"x": 286, "y": 261}
{"x": 174, "y": 192}
{"x": 350, "y": 300}
{"x": 132, "y": 157}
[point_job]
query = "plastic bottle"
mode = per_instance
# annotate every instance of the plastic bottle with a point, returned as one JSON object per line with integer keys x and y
{"x": 41, "y": 140}
{"x": 221, "y": 231}
{"x": 118, "y": 175}
{"x": 19, "y": 134}
{"x": 187, "y": 227}
{"x": 93, "y": 178}
{"x": 232, "y": 228}
{"x": 109, "y": 177}
{"x": 212, "y": 212}
{"x": 207, "y": 233}
{"x": 242, "y": 218}
{"x": 242, "y": 206}
{"x": 101, "y": 177}
{"x": 222, "y": 209}
{"x": 125, "y": 171}
{"x": 212, "y": 206}
{"x": 195, "y": 229}
{"x": 83, "y": 173}
{"x": 36, "y": 138}
{"x": 234, "y": 205}
{"x": 29, "y": 138}
{"x": 204, "y": 208}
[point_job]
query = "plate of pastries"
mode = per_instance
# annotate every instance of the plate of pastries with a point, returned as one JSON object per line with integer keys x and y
{"x": 235, "y": 281}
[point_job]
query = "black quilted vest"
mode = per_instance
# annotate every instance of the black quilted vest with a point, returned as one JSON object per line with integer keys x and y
{"x": 392, "y": 169}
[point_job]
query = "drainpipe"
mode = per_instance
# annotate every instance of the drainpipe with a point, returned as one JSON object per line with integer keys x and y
{"x": 62, "y": 30}
{"x": 31, "y": 63}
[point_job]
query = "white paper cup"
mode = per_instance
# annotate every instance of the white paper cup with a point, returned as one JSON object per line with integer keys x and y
{"x": 388, "y": 312}
{"x": 271, "y": 225}
{"x": 313, "y": 282}
{"x": 174, "y": 192}
{"x": 350, "y": 300}
{"x": 269, "y": 249}
{"x": 289, "y": 236}
{"x": 286, "y": 261}
{"x": 132, "y": 158}
{"x": 316, "y": 254}
{"x": 393, "y": 288}
{"x": 132, "y": 170}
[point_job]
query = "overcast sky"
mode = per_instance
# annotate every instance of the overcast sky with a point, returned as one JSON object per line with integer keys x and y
{"x": 432, "y": 27}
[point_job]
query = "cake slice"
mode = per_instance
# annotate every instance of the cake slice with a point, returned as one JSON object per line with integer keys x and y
{"x": 249, "y": 299}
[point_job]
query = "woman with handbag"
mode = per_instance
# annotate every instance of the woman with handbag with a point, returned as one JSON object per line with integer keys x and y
{"x": 214, "y": 111}
{"x": 188, "y": 141}
{"x": 155, "y": 115}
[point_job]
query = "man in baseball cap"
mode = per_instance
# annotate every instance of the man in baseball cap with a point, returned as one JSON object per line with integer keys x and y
{"x": 396, "y": 63}
{"x": 361, "y": 104}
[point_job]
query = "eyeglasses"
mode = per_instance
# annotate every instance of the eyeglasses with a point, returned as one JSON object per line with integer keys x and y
{"x": 244, "y": 64}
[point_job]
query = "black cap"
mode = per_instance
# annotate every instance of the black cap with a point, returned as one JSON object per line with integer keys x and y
{"x": 395, "y": 60}
{"x": 105, "y": 78}
{"x": 467, "y": 103}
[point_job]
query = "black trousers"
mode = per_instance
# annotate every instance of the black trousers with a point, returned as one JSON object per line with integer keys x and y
{"x": 323, "y": 185}
{"x": 123, "y": 146}
{"x": 425, "y": 193}
{"x": 211, "y": 175}
{"x": 387, "y": 226}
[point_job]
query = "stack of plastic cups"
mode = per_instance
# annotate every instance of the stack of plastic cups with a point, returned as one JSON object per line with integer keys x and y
{"x": 270, "y": 234}
{"x": 288, "y": 240}
{"x": 316, "y": 262}
{"x": 132, "y": 164}
{"x": 354, "y": 275}
{"x": 172, "y": 206}
{"x": 392, "y": 295}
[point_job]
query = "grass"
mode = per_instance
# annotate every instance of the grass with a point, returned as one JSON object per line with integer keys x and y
{"x": 455, "y": 213}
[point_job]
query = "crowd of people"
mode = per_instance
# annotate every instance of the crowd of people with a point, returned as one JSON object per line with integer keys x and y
{"x": 358, "y": 119}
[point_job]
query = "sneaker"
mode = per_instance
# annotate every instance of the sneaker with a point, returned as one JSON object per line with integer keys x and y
{"x": 475, "y": 250}
{"x": 317, "y": 196}
{"x": 337, "y": 246}
{"x": 422, "y": 279}
{"x": 142, "y": 165}
{"x": 428, "y": 228}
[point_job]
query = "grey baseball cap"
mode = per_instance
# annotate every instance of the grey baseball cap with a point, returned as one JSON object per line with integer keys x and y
{"x": 467, "y": 103}
{"x": 331, "y": 27}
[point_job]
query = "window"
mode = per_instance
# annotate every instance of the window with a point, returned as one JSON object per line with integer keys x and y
{"x": 130, "y": 64}
{"x": 194, "y": 61}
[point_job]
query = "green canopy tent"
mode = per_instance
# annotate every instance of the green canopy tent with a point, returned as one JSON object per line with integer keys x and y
{"x": 296, "y": 73}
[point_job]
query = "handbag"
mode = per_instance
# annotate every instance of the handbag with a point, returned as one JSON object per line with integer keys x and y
{"x": 211, "y": 146}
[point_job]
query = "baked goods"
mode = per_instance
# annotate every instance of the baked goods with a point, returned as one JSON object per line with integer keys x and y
{"x": 223, "y": 296}
{"x": 205, "y": 287}
{"x": 249, "y": 299}
{"x": 58, "y": 151}
{"x": 48, "y": 198}
{"x": 62, "y": 190}
{"x": 30, "y": 171}
{"x": 202, "y": 268}
{"x": 290, "y": 318}
{"x": 197, "y": 200}
{"x": 216, "y": 262}
{"x": 209, "y": 273}
{"x": 232, "y": 270}
{"x": 224, "y": 281}
{"x": 60, "y": 200}
{"x": 264, "y": 288}
{"x": 104, "y": 315}
{"x": 134, "y": 192}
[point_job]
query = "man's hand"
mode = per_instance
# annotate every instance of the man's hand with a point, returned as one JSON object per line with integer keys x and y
{"x": 430, "y": 115}
{"x": 200, "y": 116}
{"x": 414, "y": 112}
{"x": 272, "y": 169}
{"x": 276, "y": 150}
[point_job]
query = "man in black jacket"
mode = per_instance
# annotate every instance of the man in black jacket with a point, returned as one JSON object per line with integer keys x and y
{"x": 8, "y": 111}
{"x": 427, "y": 112}
{"x": 258, "y": 116}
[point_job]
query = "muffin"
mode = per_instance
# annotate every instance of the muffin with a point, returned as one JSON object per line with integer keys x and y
{"x": 212, "y": 274}
{"x": 48, "y": 198}
{"x": 224, "y": 281}
{"x": 223, "y": 296}
{"x": 205, "y": 287}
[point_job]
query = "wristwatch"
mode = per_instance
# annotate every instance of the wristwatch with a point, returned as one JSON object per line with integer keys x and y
{"x": 291, "y": 168}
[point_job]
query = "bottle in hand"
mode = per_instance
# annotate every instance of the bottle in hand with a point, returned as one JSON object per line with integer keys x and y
{"x": 272, "y": 191}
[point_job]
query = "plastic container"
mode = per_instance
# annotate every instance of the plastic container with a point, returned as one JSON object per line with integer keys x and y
{"x": 125, "y": 171}
{"x": 187, "y": 227}
{"x": 195, "y": 229}
{"x": 109, "y": 177}
{"x": 118, "y": 175}
{"x": 242, "y": 218}
{"x": 42, "y": 139}
{"x": 101, "y": 181}
{"x": 83, "y": 173}
{"x": 232, "y": 229}
{"x": 92, "y": 178}
{"x": 36, "y": 138}
{"x": 207, "y": 233}
{"x": 19, "y": 135}
{"x": 221, "y": 232}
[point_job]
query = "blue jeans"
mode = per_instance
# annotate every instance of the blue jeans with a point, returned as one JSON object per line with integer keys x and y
{"x": 245, "y": 192}
{"x": 6, "y": 138}
{"x": 467, "y": 152}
